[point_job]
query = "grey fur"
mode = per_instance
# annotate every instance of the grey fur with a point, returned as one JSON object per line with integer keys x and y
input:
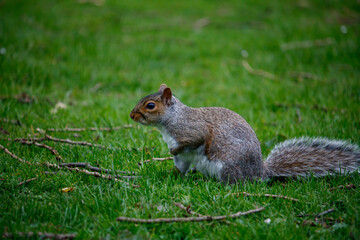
{"x": 228, "y": 141}
{"x": 318, "y": 156}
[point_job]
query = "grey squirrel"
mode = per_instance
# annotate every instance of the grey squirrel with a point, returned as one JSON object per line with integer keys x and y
{"x": 221, "y": 144}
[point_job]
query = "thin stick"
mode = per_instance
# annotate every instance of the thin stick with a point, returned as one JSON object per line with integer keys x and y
{"x": 51, "y": 165}
{"x": 155, "y": 159}
{"x": 187, "y": 209}
{"x": 324, "y": 212}
{"x": 258, "y": 72}
{"x": 15, "y": 122}
{"x": 189, "y": 219}
{"x": 14, "y": 156}
{"x": 52, "y": 150}
{"x": 96, "y": 174}
{"x": 66, "y": 141}
{"x": 58, "y": 236}
{"x": 29, "y": 180}
{"x": 102, "y": 129}
{"x": 81, "y": 143}
{"x": 349, "y": 186}
{"x": 265, "y": 195}
{"x": 95, "y": 169}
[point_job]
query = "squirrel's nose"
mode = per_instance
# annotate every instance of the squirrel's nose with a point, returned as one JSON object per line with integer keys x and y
{"x": 132, "y": 115}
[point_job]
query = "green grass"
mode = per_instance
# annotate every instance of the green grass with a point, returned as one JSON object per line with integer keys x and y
{"x": 100, "y": 60}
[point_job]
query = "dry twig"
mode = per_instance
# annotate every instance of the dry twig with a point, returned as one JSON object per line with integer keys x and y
{"x": 51, "y": 165}
{"x": 52, "y": 150}
{"x": 155, "y": 159}
{"x": 95, "y": 169}
{"x": 22, "y": 98}
{"x": 349, "y": 186}
{"x": 14, "y": 156}
{"x": 66, "y": 141}
{"x": 258, "y": 72}
{"x": 58, "y": 236}
{"x": 82, "y": 143}
{"x": 29, "y": 180}
{"x": 102, "y": 129}
{"x": 264, "y": 195}
{"x": 324, "y": 213}
{"x": 189, "y": 219}
{"x": 187, "y": 209}
{"x": 15, "y": 122}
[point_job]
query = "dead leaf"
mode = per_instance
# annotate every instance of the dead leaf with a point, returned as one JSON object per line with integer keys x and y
{"x": 58, "y": 106}
{"x": 67, "y": 189}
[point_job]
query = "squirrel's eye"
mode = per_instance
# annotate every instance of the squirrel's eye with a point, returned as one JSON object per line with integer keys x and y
{"x": 150, "y": 106}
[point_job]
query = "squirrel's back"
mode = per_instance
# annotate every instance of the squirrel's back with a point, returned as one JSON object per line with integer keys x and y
{"x": 317, "y": 156}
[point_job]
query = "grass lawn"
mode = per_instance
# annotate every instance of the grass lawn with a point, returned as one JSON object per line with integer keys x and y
{"x": 290, "y": 68}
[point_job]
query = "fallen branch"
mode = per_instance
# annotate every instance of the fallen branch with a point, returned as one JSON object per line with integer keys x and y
{"x": 58, "y": 236}
{"x": 15, "y": 122}
{"x": 189, "y": 219}
{"x": 324, "y": 213}
{"x": 29, "y": 180}
{"x": 187, "y": 209}
{"x": 307, "y": 44}
{"x": 349, "y": 186}
{"x": 22, "y": 98}
{"x": 258, "y": 72}
{"x": 51, "y": 165}
{"x": 52, "y": 150}
{"x": 264, "y": 195}
{"x": 102, "y": 129}
{"x": 95, "y": 169}
{"x": 318, "y": 219}
{"x": 66, "y": 141}
{"x": 155, "y": 159}
{"x": 14, "y": 156}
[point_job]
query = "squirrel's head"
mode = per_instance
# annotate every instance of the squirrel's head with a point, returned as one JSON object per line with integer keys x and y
{"x": 149, "y": 109}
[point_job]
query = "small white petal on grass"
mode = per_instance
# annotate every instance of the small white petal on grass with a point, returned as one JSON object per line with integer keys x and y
{"x": 244, "y": 53}
{"x": 2, "y": 51}
{"x": 58, "y": 106}
{"x": 267, "y": 221}
{"x": 343, "y": 29}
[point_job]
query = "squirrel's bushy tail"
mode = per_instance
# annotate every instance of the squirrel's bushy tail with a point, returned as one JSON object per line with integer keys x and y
{"x": 318, "y": 156}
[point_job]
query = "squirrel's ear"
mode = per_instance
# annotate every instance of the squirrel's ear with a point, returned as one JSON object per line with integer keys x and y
{"x": 166, "y": 96}
{"x": 162, "y": 88}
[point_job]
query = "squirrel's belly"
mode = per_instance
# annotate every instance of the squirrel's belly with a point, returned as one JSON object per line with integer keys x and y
{"x": 201, "y": 162}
